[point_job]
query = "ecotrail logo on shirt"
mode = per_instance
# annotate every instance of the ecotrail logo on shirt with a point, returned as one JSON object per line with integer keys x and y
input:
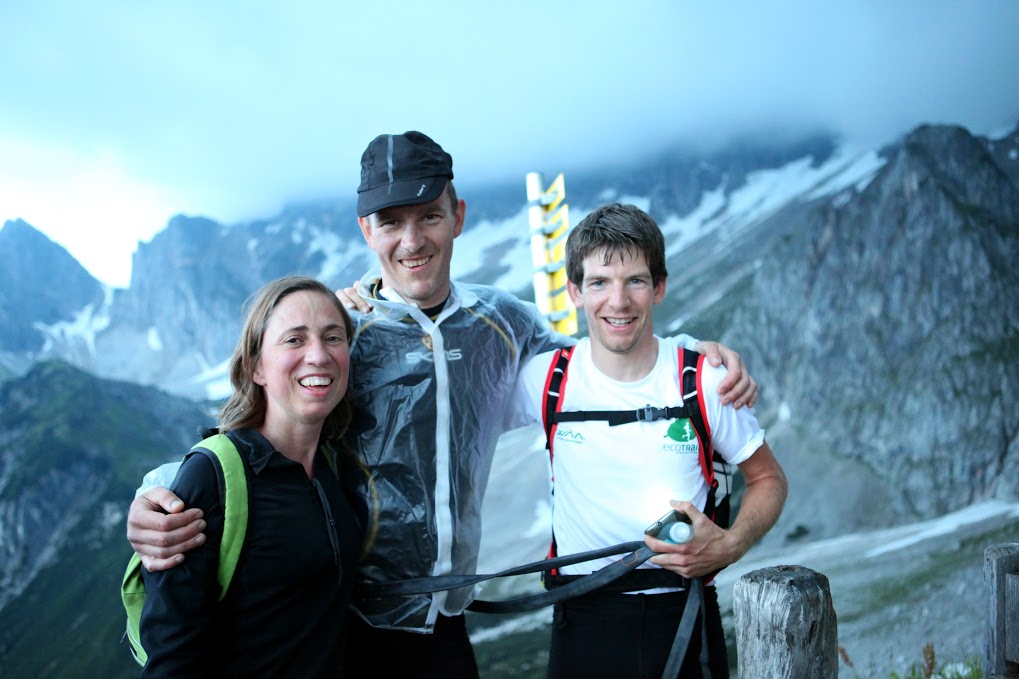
{"x": 685, "y": 439}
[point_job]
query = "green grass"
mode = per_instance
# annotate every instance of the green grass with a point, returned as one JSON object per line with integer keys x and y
{"x": 70, "y": 620}
{"x": 929, "y": 667}
{"x": 912, "y": 586}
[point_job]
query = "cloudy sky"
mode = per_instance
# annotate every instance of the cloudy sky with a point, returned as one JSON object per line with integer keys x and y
{"x": 116, "y": 115}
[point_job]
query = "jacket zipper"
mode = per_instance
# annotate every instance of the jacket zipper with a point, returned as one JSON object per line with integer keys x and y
{"x": 331, "y": 529}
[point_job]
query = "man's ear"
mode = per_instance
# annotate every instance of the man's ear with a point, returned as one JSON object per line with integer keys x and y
{"x": 575, "y": 294}
{"x": 461, "y": 215}
{"x": 366, "y": 231}
{"x": 659, "y": 292}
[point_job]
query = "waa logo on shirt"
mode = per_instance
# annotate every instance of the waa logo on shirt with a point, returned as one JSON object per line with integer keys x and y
{"x": 568, "y": 435}
{"x": 683, "y": 437}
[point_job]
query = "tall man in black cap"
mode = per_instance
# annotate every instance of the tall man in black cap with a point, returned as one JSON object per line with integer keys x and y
{"x": 435, "y": 362}
{"x": 433, "y": 365}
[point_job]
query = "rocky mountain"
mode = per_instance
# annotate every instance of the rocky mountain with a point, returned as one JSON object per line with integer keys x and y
{"x": 181, "y": 315}
{"x": 73, "y": 448}
{"x": 885, "y": 325}
{"x": 41, "y": 284}
{"x": 176, "y": 323}
{"x": 886, "y": 274}
{"x": 871, "y": 292}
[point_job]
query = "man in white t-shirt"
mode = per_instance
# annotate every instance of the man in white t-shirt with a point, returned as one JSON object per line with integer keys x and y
{"x": 610, "y": 482}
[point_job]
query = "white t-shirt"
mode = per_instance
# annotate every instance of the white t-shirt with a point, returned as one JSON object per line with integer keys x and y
{"x": 610, "y": 483}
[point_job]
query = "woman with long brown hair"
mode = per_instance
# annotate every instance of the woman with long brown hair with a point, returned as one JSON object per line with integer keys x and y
{"x": 284, "y": 612}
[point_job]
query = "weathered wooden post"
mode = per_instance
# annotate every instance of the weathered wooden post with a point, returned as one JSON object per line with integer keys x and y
{"x": 785, "y": 624}
{"x": 1001, "y": 629}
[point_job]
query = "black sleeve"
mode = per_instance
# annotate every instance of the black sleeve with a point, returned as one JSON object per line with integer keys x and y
{"x": 179, "y": 603}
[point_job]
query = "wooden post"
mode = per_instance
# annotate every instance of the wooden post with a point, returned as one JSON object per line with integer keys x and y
{"x": 785, "y": 624}
{"x": 1001, "y": 582}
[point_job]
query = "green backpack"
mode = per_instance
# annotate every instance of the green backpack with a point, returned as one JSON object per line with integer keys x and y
{"x": 234, "y": 492}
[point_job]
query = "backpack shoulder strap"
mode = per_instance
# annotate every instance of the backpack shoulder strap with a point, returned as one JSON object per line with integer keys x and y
{"x": 234, "y": 492}
{"x": 551, "y": 404}
{"x": 555, "y": 386}
{"x": 690, "y": 367}
{"x": 716, "y": 506}
{"x": 552, "y": 413}
{"x": 132, "y": 594}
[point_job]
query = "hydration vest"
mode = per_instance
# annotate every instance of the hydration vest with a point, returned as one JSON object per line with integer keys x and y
{"x": 717, "y": 472}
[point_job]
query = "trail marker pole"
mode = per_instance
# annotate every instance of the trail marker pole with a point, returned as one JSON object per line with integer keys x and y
{"x": 549, "y": 217}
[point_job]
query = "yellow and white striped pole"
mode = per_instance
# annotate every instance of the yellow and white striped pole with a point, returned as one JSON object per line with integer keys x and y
{"x": 549, "y": 217}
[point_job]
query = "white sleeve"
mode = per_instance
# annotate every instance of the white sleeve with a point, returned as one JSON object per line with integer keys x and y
{"x": 735, "y": 434}
{"x": 162, "y": 475}
{"x": 529, "y": 392}
{"x": 686, "y": 341}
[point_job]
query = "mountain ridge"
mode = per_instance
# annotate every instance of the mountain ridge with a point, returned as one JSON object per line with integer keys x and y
{"x": 74, "y": 447}
{"x": 871, "y": 293}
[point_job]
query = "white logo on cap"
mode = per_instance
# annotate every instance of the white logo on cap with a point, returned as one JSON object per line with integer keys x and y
{"x": 422, "y": 189}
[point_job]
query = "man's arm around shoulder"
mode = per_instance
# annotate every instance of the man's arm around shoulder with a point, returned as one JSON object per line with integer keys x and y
{"x": 160, "y": 529}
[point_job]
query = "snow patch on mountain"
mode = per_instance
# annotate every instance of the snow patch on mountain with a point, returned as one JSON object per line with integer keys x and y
{"x": 504, "y": 240}
{"x": 681, "y": 231}
{"x": 336, "y": 251}
{"x": 851, "y": 168}
{"x": 901, "y": 537}
{"x": 82, "y": 329}
{"x": 766, "y": 191}
{"x": 215, "y": 381}
{"x": 506, "y": 243}
{"x": 153, "y": 340}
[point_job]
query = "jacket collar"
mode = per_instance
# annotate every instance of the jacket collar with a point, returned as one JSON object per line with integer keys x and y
{"x": 258, "y": 448}
{"x": 390, "y": 304}
{"x": 260, "y": 451}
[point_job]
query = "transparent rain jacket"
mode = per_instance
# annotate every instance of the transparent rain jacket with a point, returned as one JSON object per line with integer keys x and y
{"x": 429, "y": 403}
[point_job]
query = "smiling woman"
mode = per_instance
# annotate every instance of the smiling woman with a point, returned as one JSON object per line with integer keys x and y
{"x": 285, "y": 419}
{"x": 302, "y": 369}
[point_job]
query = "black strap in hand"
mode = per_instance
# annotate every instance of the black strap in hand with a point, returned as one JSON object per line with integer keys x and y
{"x": 586, "y": 584}
{"x": 694, "y": 604}
{"x": 437, "y": 583}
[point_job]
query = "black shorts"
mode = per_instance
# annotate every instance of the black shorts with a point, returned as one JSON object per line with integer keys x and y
{"x": 377, "y": 652}
{"x": 631, "y": 635}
